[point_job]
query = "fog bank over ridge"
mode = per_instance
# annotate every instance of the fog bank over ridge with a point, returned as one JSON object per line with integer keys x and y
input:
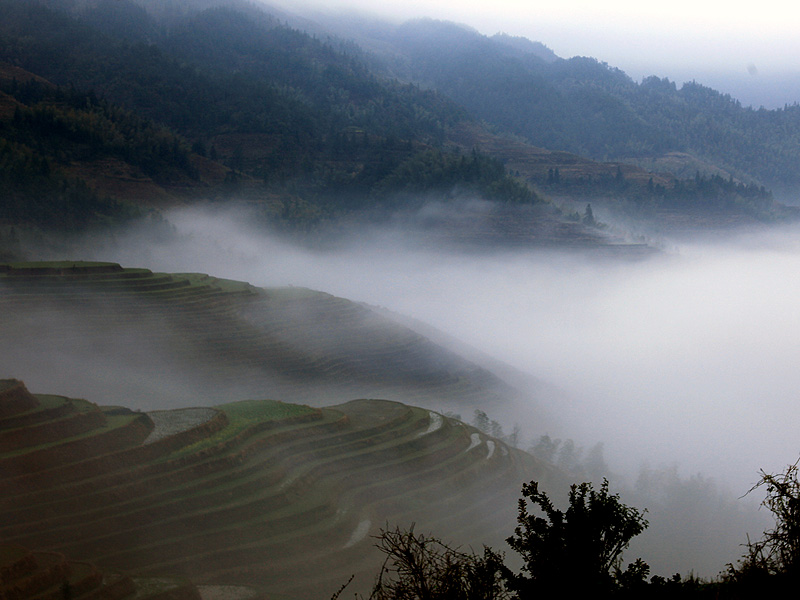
{"x": 687, "y": 357}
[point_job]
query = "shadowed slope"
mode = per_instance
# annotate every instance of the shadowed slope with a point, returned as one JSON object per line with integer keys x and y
{"x": 26, "y": 575}
{"x": 280, "y": 496}
{"x": 133, "y": 334}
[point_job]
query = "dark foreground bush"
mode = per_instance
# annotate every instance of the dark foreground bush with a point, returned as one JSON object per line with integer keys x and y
{"x": 417, "y": 567}
{"x": 578, "y": 551}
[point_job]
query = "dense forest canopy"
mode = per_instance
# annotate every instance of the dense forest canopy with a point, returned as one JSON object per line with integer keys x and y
{"x": 273, "y": 104}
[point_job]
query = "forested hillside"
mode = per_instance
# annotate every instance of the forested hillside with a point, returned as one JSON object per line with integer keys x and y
{"x": 53, "y": 130}
{"x": 111, "y": 108}
{"x": 587, "y": 107}
{"x": 288, "y": 116}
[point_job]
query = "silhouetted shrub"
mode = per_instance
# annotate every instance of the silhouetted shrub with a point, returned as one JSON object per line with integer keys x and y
{"x": 577, "y": 551}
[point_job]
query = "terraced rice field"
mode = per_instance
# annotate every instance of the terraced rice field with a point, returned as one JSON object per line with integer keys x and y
{"x": 279, "y": 497}
{"x": 135, "y": 335}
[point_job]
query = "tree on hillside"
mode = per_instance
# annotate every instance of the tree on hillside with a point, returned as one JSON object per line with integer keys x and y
{"x": 570, "y": 458}
{"x": 588, "y": 216}
{"x": 579, "y": 550}
{"x": 481, "y": 420}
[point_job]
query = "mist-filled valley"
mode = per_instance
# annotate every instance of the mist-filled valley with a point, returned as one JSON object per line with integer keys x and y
{"x": 277, "y": 279}
{"x": 690, "y": 352}
{"x": 680, "y": 363}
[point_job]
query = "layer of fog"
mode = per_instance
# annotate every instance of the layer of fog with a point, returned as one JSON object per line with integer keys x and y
{"x": 689, "y": 355}
{"x": 103, "y": 351}
{"x": 687, "y": 358}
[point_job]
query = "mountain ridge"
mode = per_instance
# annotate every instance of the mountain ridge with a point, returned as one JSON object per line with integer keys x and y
{"x": 312, "y": 129}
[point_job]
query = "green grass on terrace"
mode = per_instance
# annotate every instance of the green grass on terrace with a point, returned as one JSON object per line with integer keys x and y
{"x": 245, "y": 412}
{"x": 242, "y": 415}
{"x": 226, "y": 285}
{"x": 111, "y": 275}
{"x": 51, "y": 401}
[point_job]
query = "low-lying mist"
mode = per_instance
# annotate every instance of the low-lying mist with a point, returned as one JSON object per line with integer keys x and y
{"x": 685, "y": 361}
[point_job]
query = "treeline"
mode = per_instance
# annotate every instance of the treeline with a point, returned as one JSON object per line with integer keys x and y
{"x": 33, "y": 192}
{"x": 54, "y": 128}
{"x": 455, "y": 173}
{"x": 69, "y": 125}
{"x": 702, "y": 192}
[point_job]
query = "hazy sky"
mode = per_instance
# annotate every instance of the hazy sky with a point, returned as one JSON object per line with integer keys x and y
{"x": 751, "y": 44}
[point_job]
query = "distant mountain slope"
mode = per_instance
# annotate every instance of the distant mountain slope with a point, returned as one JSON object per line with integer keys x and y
{"x": 160, "y": 339}
{"x": 586, "y": 107}
{"x": 523, "y": 47}
{"x": 277, "y": 496}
